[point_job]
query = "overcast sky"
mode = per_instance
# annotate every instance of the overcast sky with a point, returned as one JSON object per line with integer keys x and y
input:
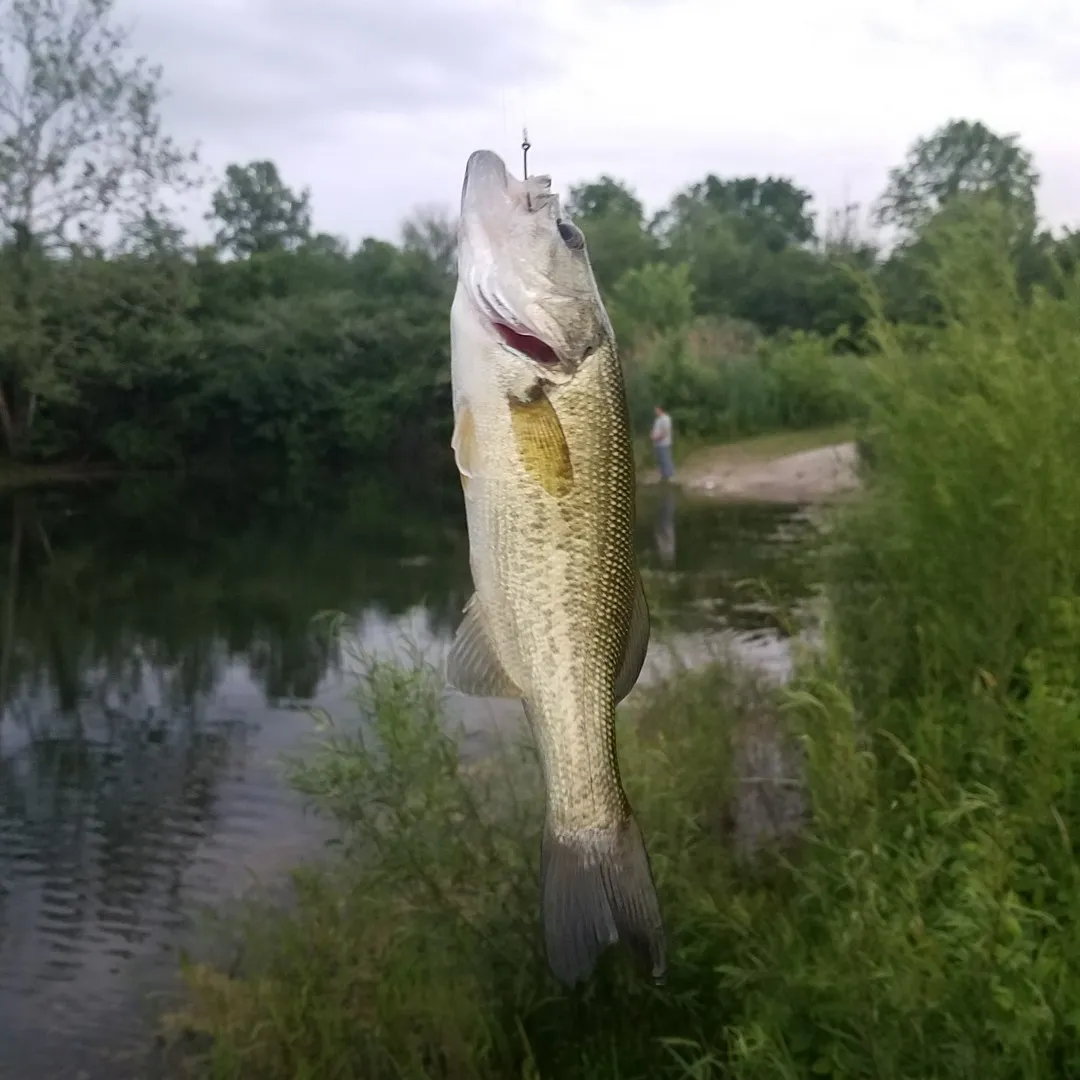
{"x": 376, "y": 104}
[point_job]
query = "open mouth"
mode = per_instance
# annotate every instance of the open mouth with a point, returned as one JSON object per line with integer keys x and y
{"x": 528, "y": 344}
{"x": 501, "y": 317}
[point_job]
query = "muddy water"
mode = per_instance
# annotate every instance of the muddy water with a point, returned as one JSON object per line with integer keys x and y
{"x": 156, "y": 659}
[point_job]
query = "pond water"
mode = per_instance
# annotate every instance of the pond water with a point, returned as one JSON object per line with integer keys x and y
{"x": 157, "y": 657}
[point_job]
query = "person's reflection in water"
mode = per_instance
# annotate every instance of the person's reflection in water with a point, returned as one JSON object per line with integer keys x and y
{"x": 664, "y": 529}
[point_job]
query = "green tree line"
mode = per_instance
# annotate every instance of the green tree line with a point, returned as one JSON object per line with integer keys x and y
{"x": 124, "y": 341}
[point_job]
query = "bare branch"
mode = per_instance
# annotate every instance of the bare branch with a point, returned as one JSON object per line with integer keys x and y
{"x": 81, "y": 146}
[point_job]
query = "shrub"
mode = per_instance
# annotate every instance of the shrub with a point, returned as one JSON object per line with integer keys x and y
{"x": 720, "y": 379}
{"x": 923, "y": 924}
{"x": 416, "y": 951}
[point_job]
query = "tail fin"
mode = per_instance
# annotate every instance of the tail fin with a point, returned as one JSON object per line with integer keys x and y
{"x": 597, "y": 888}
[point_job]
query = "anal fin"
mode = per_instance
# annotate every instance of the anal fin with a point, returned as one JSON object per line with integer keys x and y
{"x": 472, "y": 665}
{"x": 637, "y": 644}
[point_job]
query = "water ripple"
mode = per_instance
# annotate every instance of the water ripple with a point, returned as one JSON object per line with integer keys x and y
{"x": 153, "y": 691}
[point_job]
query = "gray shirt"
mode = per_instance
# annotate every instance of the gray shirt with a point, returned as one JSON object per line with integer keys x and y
{"x": 661, "y": 430}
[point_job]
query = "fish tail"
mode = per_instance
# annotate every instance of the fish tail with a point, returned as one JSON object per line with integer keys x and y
{"x": 597, "y": 888}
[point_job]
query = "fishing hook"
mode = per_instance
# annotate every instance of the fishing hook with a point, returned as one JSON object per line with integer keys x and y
{"x": 526, "y": 146}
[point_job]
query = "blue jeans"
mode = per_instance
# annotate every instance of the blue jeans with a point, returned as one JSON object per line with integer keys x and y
{"x": 663, "y": 459}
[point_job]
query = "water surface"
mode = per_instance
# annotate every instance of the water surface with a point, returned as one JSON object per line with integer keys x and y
{"x": 156, "y": 659}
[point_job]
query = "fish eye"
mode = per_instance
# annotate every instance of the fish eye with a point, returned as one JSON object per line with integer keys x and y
{"x": 572, "y": 236}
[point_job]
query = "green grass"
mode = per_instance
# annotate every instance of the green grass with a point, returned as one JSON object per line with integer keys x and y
{"x": 770, "y": 447}
{"x": 926, "y": 921}
{"x": 783, "y": 443}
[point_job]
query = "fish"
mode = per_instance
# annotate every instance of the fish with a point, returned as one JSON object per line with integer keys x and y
{"x": 558, "y": 617}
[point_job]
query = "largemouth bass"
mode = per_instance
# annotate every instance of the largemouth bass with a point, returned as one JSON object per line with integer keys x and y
{"x": 558, "y": 617}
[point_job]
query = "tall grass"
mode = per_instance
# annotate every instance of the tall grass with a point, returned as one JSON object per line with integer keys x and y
{"x": 970, "y": 545}
{"x": 416, "y": 952}
{"x": 925, "y": 922}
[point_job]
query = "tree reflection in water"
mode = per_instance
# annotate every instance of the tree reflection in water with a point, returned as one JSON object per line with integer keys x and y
{"x": 154, "y": 636}
{"x": 148, "y": 631}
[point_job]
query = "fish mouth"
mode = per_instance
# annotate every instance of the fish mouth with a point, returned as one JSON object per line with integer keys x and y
{"x": 490, "y": 199}
{"x": 489, "y": 188}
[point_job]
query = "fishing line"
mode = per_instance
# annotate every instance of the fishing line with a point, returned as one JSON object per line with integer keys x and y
{"x": 505, "y": 114}
{"x": 523, "y": 110}
{"x": 525, "y": 144}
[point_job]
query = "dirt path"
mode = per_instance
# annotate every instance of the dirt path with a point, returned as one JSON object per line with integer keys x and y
{"x": 757, "y": 471}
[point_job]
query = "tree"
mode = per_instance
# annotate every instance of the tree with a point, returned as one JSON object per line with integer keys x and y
{"x": 707, "y": 241}
{"x": 960, "y": 157}
{"x": 328, "y": 244}
{"x": 80, "y": 133}
{"x": 258, "y": 213}
{"x": 772, "y": 212}
{"x": 153, "y": 237}
{"x": 1065, "y": 251}
{"x": 843, "y": 238}
{"x": 603, "y": 196}
{"x": 657, "y": 298}
{"x": 749, "y": 246}
{"x": 431, "y": 232}
{"x": 81, "y": 149}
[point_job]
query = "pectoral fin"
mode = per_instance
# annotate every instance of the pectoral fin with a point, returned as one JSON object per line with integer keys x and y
{"x": 542, "y": 445}
{"x": 637, "y": 644}
{"x": 472, "y": 665}
{"x": 463, "y": 443}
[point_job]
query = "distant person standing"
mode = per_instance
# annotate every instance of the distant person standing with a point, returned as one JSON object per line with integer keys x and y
{"x": 661, "y": 438}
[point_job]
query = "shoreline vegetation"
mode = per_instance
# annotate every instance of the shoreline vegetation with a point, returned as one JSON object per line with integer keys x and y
{"x": 870, "y": 870}
{"x": 14, "y": 475}
{"x": 803, "y": 466}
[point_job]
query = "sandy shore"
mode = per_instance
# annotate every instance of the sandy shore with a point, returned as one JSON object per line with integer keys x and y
{"x": 814, "y": 475}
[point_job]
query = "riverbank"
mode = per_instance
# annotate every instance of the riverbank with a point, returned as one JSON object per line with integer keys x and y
{"x": 788, "y": 466}
{"x": 791, "y": 466}
{"x": 15, "y": 475}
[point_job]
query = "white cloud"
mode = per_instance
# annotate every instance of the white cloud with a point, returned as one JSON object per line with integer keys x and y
{"x": 377, "y": 106}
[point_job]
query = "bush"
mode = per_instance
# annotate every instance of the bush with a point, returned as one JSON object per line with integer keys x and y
{"x": 417, "y": 952}
{"x": 925, "y": 922}
{"x": 815, "y": 383}
{"x": 721, "y": 380}
{"x": 971, "y": 542}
